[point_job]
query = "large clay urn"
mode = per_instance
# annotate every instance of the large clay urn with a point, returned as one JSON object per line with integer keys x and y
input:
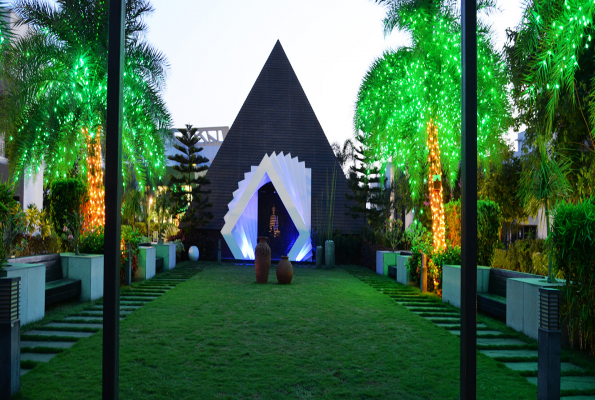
{"x": 262, "y": 259}
{"x": 284, "y": 271}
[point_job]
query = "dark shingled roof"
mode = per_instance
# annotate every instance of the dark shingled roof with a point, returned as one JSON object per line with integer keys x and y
{"x": 277, "y": 117}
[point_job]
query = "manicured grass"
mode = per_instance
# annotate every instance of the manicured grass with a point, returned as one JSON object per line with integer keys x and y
{"x": 222, "y": 336}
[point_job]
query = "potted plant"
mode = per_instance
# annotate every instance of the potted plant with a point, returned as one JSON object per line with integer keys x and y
{"x": 88, "y": 268}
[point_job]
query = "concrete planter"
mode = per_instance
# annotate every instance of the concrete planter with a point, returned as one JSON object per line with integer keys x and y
{"x": 167, "y": 251}
{"x": 32, "y": 296}
{"x": 146, "y": 263}
{"x": 329, "y": 254}
{"x": 451, "y": 283}
{"x": 522, "y": 303}
{"x": 402, "y": 269}
{"x": 384, "y": 259}
{"x": 88, "y": 268}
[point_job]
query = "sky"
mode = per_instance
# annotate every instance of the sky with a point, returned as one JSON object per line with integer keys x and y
{"x": 216, "y": 50}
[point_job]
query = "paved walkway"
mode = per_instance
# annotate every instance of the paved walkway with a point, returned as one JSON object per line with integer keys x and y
{"x": 514, "y": 353}
{"x": 42, "y": 344}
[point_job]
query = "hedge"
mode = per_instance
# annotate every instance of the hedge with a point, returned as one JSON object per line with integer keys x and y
{"x": 573, "y": 246}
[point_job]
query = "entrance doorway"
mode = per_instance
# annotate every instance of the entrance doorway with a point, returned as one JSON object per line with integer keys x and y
{"x": 274, "y": 222}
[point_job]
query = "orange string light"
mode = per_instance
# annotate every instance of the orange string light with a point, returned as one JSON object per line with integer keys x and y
{"x": 435, "y": 187}
{"x": 95, "y": 208}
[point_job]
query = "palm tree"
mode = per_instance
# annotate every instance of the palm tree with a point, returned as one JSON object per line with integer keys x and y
{"x": 409, "y": 103}
{"x": 55, "y": 78}
{"x": 542, "y": 184}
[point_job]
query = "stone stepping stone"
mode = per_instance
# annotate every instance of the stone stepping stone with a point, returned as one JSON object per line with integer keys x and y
{"x": 445, "y": 320}
{"x": 59, "y": 333}
{"x": 24, "y": 371}
{"x": 59, "y": 345}
{"x": 499, "y": 342}
{"x": 509, "y": 353}
{"x": 571, "y": 382}
{"x": 99, "y": 313}
{"x": 479, "y": 333}
{"x": 456, "y": 326}
{"x": 86, "y": 318}
{"x": 578, "y": 398}
{"x": 137, "y": 299}
{"x": 73, "y": 325}
{"x": 532, "y": 366}
{"x": 39, "y": 357}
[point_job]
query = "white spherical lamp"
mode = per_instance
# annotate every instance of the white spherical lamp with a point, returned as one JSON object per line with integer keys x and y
{"x": 193, "y": 253}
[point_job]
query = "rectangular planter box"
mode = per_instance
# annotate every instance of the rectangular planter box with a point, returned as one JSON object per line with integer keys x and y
{"x": 167, "y": 251}
{"x": 88, "y": 268}
{"x": 384, "y": 259}
{"x": 522, "y": 303}
{"x": 146, "y": 264}
{"x": 32, "y": 301}
{"x": 451, "y": 283}
{"x": 402, "y": 270}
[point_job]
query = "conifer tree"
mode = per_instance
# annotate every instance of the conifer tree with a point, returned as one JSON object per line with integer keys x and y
{"x": 363, "y": 180}
{"x": 188, "y": 188}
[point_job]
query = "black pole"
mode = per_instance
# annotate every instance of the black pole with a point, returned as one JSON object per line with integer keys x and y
{"x": 113, "y": 200}
{"x": 469, "y": 200}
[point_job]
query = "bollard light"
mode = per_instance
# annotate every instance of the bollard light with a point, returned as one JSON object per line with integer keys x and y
{"x": 9, "y": 299}
{"x": 549, "y": 345}
{"x": 549, "y": 309}
{"x": 10, "y": 337}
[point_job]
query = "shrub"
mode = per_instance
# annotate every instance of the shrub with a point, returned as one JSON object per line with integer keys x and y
{"x": 66, "y": 198}
{"x": 489, "y": 222}
{"x": 41, "y": 245}
{"x": 450, "y": 256}
{"x": 524, "y": 256}
{"x": 92, "y": 241}
{"x": 573, "y": 241}
{"x": 452, "y": 223}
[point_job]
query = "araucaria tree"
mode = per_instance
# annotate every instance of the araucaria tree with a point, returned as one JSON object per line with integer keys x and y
{"x": 409, "y": 104}
{"x": 53, "y": 111}
{"x": 188, "y": 185}
{"x": 364, "y": 181}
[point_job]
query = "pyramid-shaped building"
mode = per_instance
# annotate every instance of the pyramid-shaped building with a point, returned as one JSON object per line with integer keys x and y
{"x": 271, "y": 174}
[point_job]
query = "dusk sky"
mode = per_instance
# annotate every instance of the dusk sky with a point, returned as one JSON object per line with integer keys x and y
{"x": 216, "y": 50}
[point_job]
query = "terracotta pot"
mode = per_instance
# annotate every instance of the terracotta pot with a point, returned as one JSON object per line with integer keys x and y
{"x": 262, "y": 259}
{"x": 284, "y": 271}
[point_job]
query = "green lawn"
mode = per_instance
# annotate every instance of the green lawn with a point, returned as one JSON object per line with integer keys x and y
{"x": 222, "y": 336}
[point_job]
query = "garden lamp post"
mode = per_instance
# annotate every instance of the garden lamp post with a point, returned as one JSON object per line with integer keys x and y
{"x": 113, "y": 201}
{"x": 468, "y": 199}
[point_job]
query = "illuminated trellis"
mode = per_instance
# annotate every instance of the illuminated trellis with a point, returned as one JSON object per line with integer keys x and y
{"x": 552, "y": 36}
{"x": 57, "y": 91}
{"x": 410, "y": 101}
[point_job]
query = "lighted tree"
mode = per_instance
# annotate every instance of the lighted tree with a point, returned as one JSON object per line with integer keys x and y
{"x": 409, "y": 104}
{"x": 54, "y": 111}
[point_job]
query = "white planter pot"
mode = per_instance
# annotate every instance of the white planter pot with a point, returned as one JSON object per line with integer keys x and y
{"x": 384, "y": 259}
{"x": 402, "y": 269}
{"x": 522, "y": 303}
{"x": 32, "y": 296}
{"x": 451, "y": 283}
{"x": 146, "y": 264}
{"x": 88, "y": 268}
{"x": 167, "y": 251}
